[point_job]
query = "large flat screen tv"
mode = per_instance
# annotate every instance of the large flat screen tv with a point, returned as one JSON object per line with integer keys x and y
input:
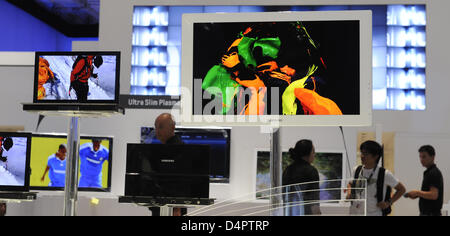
{"x": 328, "y": 164}
{"x": 48, "y": 162}
{"x": 76, "y": 77}
{"x": 298, "y": 68}
{"x": 159, "y": 170}
{"x": 219, "y": 139}
{"x": 14, "y": 161}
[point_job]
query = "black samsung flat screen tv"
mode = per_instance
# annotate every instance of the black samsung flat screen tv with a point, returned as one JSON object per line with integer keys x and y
{"x": 219, "y": 140}
{"x": 158, "y": 170}
{"x": 77, "y": 77}
{"x": 15, "y": 161}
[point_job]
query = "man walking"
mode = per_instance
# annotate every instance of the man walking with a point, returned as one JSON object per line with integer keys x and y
{"x": 432, "y": 192}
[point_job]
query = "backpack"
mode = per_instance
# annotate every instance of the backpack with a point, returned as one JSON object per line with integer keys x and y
{"x": 380, "y": 184}
{"x": 85, "y": 72}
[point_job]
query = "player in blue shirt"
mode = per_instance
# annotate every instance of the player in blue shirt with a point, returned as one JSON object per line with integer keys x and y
{"x": 92, "y": 157}
{"x": 57, "y": 166}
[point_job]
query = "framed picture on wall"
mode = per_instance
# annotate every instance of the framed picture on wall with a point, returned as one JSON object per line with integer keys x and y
{"x": 329, "y": 163}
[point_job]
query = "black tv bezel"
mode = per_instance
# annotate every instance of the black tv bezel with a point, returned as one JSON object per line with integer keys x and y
{"x": 163, "y": 148}
{"x": 225, "y": 179}
{"x": 75, "y": 53}
{"x": 26, "y": 186}
{"x": 83, "y": 189}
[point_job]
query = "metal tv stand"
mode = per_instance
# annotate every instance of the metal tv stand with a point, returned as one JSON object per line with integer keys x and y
{"x": 166, "y": 203}
{"x": 75, "y": 111}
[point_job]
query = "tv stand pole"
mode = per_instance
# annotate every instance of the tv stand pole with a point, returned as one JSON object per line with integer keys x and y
{"x": 275, "y": 173}
{"x": 73, "y": 147}
{"x": 74, "y": 112}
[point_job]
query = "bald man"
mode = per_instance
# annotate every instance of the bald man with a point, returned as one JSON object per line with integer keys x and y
{"x": 165, "y": 129}
{"x": 165, "y": 132}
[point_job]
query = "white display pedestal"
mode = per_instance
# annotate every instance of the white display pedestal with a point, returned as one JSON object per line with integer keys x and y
{"x": 74, "y": 112}
{"x": 166, "y": 204}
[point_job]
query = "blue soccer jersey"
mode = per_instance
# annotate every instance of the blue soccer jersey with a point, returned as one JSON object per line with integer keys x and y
{"x": 57, "y": 172}
{"x": 91, "y": 165}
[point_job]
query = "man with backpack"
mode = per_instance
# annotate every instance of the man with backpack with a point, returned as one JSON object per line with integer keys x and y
{"x": 379, "y": 180}
{"x": 82, "y": 70}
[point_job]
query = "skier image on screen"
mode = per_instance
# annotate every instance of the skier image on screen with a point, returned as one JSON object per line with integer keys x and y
{"x": 82, "y": 70}
{"x": 45, "y": 75}
{"x": 13, "y": 156}
{"x": 5, "y": 144}
{"x": 92, "y": 157}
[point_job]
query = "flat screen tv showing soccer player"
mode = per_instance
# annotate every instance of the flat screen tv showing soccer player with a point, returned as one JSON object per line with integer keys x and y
{"x": 302, "y": 67}
{"x": 14, "y": 161}
{"x": 219, "y": 140}
{"x": 48, "y": 162}
{"x": 76, "y": 77}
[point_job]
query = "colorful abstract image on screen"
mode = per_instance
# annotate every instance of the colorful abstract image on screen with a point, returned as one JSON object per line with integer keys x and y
{"x": 309, "y": 68}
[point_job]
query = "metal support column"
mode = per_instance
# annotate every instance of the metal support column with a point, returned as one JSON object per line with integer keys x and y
{"x": 275, "y": 173}
{"x": 71, "y": 187}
